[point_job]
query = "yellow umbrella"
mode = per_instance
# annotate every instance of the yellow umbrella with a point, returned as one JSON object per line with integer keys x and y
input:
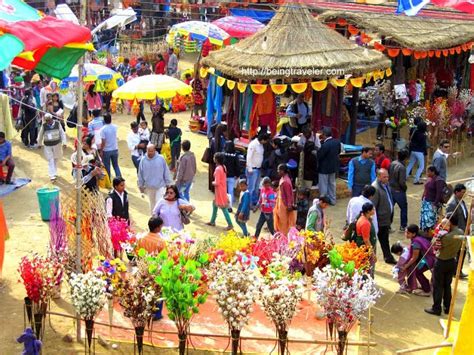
{"x": 150, "y": 87}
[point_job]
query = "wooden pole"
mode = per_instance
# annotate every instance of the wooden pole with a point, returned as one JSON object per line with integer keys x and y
{"x": 354, "y": 109}
{"x": 426, "y": 347}
{"x": 340, "y": 103}
{"x": 80, "y": 108}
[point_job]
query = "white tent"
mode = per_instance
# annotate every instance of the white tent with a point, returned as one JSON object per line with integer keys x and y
{"x": 120, "y": 18}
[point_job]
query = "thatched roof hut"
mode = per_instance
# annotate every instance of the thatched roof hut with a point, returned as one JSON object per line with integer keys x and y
{"x": 294, "y": 45}
{"x": 417, "y": 33}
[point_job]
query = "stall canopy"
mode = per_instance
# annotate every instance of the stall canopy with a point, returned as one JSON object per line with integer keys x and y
{"x": 416, "y": 33}
{"x": 263, "y": 16}
{"x": 33, "y": 41}
{"x": 294, "y": 45}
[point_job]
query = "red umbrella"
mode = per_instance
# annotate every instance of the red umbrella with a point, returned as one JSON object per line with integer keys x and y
{"x": 239, "y": 26}
{"x": 461, "y": 5}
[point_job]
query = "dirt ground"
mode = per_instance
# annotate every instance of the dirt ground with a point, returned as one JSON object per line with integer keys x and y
{"x": 399, "y": 320}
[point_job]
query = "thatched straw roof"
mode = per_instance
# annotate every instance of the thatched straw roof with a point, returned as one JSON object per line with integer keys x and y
{"x": 294, "y": 40}
{"x": 418, "y": 33}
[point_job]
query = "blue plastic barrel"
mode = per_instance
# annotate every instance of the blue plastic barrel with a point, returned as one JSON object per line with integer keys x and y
{"x": 47, "y": 197}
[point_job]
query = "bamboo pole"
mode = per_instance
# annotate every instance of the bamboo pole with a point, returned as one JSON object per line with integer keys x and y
{"x": 426, "y": 347}
{"x": 205, "y": 335}
{"x": 80, "y": 107}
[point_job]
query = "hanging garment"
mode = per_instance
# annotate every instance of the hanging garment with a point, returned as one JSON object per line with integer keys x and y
{"x": 263, "y": 112}
{"x": 6, "y": 124}
{"x": 214, "y": 102}
{"x": 3, "y": 236}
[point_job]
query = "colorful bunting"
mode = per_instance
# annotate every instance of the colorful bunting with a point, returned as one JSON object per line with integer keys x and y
{"x": 230, "y": 84}
{"x": 258, "y": 88}
{"x": 279, "y": 89}
{"x": 241, "y": 87}
{"x": 299, "y": 87}
{"x": 319, "y": 85}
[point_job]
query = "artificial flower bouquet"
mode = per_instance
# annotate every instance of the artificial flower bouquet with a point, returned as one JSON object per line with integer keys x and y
{"x": 120, "y": 232}
{"x": 88, "y": 297}
{"x": 113, "y": 273}
{"x": 280, "y": 292}
{"x": 345, "y": 294}
{"x": 235, "y": 284}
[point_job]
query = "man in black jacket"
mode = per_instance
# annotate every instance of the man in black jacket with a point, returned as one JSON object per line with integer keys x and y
{"x": 117, "y": 201}
{"x": 328, "y": 163}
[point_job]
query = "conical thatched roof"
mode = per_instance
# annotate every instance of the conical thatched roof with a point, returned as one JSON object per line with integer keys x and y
{"x": 418, "y": 33}
{"x": 294, "y": 45}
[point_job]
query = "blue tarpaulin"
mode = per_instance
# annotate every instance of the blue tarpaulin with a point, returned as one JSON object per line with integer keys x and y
{"x": 263, "y": 16}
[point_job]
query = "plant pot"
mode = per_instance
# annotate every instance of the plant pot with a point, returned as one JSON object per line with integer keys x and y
{"x": 89, "y": 331}
{"x": 29, "y": 309}
{"x": 282, "y": 341}
{"x": 38, "y": 324}
{"x": 139, "y": 331}
{"x": 235, "y": 334}
{"x": 341, "y": 342}
{"x": 183, "y": 338}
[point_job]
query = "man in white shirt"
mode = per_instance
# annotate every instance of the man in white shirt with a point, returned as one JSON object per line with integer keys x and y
{"x": 134, "y": 145}
{"x": 355, "y": 204}
{"x": 254, "y": 164}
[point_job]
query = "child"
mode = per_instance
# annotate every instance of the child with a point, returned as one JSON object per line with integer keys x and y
{"x": 174, "y": 135}
{"x": 243, "y": 211}
{"x": 144, "y": 134}
{"x": 266, "y": 202}
{"x": 302, "y": 208}
{"x": 398, "y": 270}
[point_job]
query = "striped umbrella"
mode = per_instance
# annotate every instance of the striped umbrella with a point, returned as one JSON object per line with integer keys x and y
{"x": 34, "y": 41}
{"x": 94, "y": 72}
{"x": 200, "y": 31}
{"x": 239, "y": 26}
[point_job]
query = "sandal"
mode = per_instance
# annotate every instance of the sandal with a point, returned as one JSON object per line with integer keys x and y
{"x": 210, "y": 224}
{"x": 228, "y": 228}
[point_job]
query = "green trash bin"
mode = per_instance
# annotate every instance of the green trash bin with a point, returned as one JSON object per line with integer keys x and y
{"x": 47, "y": 196}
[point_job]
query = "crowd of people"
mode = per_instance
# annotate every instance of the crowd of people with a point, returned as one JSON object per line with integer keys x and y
{"x": 277, "y": 177}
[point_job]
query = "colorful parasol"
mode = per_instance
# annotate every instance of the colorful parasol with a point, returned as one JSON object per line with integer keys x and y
{"x": 151, "y": 87}
{"x": 94, "y": 72}
{"x": 33, "y": 41}
{"x": 239, "y": 26}
{"x": 200, "y": 31}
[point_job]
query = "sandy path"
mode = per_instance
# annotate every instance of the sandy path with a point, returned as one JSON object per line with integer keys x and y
{"x": 398, "y": 324}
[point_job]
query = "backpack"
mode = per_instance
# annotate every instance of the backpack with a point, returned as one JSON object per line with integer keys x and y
{"x": 349, "y": 233}
{"x": 72, "y": 118}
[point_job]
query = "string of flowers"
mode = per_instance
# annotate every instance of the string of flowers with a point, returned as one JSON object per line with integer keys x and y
{"x": 236, "y": 287}
{"x": 280, "y": 292}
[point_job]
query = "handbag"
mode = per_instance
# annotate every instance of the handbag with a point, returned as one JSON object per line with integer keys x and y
{"x": 206, "y": 157}
{"x": 183, "y": 215}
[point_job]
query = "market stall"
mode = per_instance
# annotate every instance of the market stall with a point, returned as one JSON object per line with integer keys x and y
{"x": 430, "y": 67}
{"x": 296, "y": 54}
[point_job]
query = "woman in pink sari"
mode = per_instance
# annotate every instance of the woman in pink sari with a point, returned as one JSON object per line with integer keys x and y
{"x": 221, "y": 200}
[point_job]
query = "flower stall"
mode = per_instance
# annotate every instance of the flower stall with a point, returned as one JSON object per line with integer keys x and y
{"x": 257, "y": 286}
